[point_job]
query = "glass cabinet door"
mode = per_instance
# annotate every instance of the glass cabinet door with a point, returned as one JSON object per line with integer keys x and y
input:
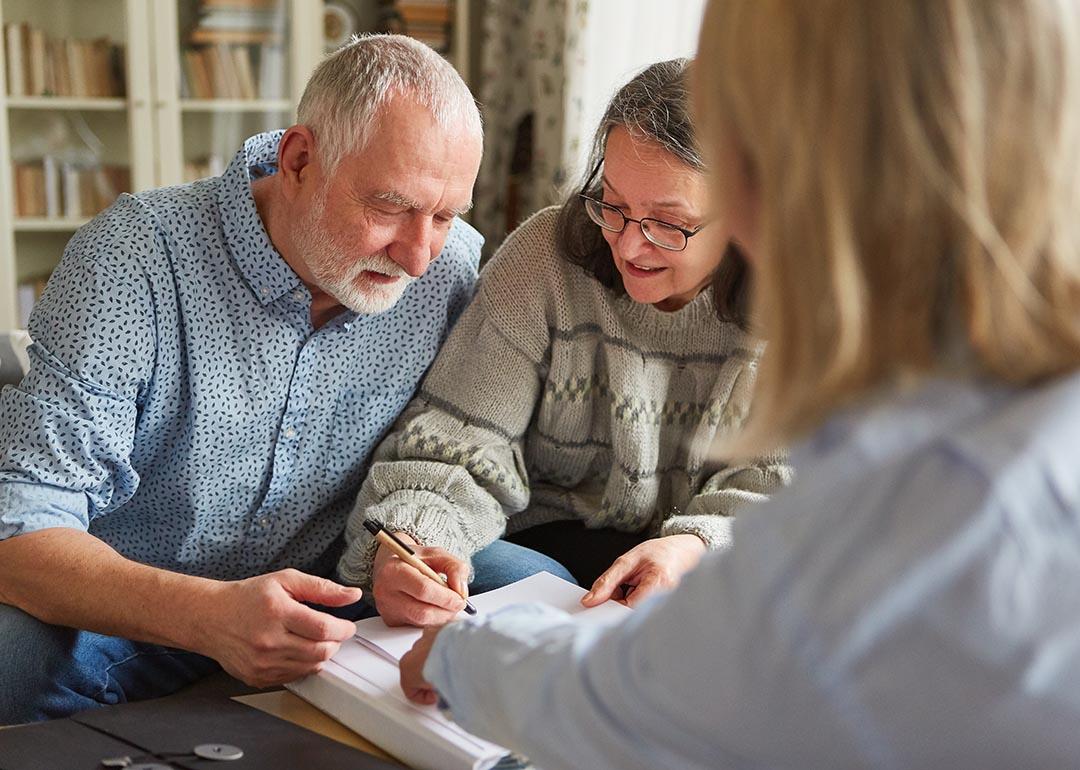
{"x": 227, "y": 70}
{"x": 75, "y": 125}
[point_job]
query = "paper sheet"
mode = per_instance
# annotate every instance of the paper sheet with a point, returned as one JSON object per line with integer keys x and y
{"x": 542, "y": 587}
{"x": 383, "y": 680}
{"x": 360, "y": 685}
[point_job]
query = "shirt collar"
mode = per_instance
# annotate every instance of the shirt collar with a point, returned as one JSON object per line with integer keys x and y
{"x": 267, "y": 274}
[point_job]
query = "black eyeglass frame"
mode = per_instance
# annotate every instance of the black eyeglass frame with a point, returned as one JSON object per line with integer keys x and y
{"x": 586, "y": 199}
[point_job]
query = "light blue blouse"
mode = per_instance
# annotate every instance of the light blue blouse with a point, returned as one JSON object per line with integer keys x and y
{"x": 912, "y": 601}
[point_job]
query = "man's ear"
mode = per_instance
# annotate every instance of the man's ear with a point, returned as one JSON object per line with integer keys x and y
{"x": 297, "y": 165}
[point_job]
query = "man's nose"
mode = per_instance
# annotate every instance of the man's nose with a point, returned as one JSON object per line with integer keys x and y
{"x": 413, "y": 247}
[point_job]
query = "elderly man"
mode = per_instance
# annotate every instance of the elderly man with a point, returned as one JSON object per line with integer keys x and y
{"x": 212, "y": 364}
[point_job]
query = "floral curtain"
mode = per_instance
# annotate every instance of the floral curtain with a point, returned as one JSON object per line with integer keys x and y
{"x": 530, "y": 89}
{"x": 548, "y": 69}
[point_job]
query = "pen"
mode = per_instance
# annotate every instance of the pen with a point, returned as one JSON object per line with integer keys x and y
{"x": 407, "y": 555}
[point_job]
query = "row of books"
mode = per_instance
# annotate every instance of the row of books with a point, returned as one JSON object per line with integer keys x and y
{"x": 234, "y": 72}
{"x": 39, "y": 65}
{"x": 426, "y": 11}
{"x": 428, "y": 21}
{"x": 51, "y": 188}
{"x": 239, "y": 21}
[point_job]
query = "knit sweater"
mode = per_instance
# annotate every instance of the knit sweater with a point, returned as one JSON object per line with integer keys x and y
{"x": 556, "y": 398}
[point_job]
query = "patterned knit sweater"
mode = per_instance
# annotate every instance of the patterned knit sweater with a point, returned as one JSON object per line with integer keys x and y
{"x": 556, "y": 398}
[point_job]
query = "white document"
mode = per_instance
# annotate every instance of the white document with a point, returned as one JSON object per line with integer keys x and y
{"x": 360, "y": 685}
{"x": 542, "y": 587}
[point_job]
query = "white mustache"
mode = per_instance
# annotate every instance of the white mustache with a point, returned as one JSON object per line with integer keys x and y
{"x": 378, "y": 264}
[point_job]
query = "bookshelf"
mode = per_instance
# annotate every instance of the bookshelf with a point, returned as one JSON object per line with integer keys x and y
{"x": 126, "y": 95}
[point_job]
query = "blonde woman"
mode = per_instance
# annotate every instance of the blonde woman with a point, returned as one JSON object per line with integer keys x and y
{"x": 904, "y": 177}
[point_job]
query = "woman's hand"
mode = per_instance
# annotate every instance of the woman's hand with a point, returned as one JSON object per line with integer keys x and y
{"x": 655, "y": 565}
{"x": 413, "y": 684}
{"x": 406, "y": 597}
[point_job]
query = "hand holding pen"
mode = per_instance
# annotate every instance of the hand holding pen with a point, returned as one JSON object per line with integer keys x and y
{"x": 408, "y": 589}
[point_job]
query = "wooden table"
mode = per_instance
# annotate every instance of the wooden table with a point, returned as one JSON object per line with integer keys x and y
{"x": 284, "y": 705}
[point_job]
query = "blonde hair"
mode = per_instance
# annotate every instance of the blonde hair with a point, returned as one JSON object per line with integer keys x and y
{"x": 916, "y": 167}
{"x": 350, "y": 87}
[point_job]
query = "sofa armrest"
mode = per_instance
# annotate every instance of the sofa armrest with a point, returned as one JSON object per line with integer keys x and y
{"x": 14, "y": 362}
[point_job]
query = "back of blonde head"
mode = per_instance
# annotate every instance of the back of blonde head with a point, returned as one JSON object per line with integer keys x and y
{"x": 918, "y": 171}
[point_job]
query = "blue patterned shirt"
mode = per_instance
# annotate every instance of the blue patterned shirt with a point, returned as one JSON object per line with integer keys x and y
{"x": 181, "y": 407}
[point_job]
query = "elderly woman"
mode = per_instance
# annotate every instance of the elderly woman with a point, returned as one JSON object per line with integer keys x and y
{"x": 575, "y": 402}
{"x": 904, "y": 179}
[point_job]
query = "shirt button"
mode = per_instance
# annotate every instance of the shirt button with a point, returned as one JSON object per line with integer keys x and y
{"x": 290, "y": 433}
{"x": 298, "y": 295}
{"x": 265, "y": 290}
{"x": 264, "y": 522}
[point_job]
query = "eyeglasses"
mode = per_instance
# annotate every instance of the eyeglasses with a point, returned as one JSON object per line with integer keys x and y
{"x": 658, "y": 232}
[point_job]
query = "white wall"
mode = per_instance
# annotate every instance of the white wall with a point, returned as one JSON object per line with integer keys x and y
{"x": 620, "y": 38}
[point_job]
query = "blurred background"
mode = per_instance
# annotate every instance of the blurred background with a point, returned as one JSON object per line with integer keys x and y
{"x": 125, "y": 95}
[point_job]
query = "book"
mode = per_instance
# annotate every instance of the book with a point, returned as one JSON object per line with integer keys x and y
{"x": 271, "y": 72}
{"x": 218, "y": 83}
{"x": 39, "y": 65}
{"x": 77, "y": 67}
{"x": 360, "y": 687}
{"x": 244, "y": 74}
{"x": 205, "y": 36}
{"x": 60, "y": 79}
{"x": 227, "y": 66}
{"x": 51, "y": 171}
{"x": 240, "y": 18}
{"x": 425, "y": 12}
{"x": 29, "y": 190}
{"x": 37, "y": 62}
{"x": 16, "y": 67}
{"x": 69, "y": 183}
{"x": 235, "y": 4}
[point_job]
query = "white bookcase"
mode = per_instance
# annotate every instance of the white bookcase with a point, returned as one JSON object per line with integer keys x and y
{"x": 164, "y": 129}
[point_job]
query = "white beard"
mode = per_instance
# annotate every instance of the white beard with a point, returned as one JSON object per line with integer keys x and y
{"x": 341, "y": 275}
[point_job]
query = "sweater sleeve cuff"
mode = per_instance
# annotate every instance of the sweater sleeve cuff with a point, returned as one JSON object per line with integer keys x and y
{"x": 714, "y": 531}
{"x": 427, "y": 518}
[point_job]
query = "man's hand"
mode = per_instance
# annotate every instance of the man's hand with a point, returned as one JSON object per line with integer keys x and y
{"x": 405, "y": 597}
{"x": 655, "y": 565}
{"x": 261, "y": 633}
{"x": 413, "y": 684}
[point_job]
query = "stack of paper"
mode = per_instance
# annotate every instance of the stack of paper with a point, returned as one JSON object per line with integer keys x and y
{"x": 360, "y": 685}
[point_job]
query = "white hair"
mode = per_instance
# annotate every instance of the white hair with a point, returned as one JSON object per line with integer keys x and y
{"x": 350, "y": 87}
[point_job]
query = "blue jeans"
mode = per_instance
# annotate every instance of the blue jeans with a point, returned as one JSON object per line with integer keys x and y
{"x": 47, "y": 671}
{"x": 50, "y": 671}
{"x": 503, "y": 562}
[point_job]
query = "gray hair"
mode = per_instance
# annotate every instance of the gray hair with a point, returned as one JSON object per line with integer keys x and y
{"x": 350, "y": 87}
{"x": 654, "y": 105}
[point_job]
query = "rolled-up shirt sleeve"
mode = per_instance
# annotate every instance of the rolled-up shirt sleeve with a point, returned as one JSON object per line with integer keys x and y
{"x": 910, "y": 602}
{"x": 66, "y": 431}
{"x": 605, "y": 698}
